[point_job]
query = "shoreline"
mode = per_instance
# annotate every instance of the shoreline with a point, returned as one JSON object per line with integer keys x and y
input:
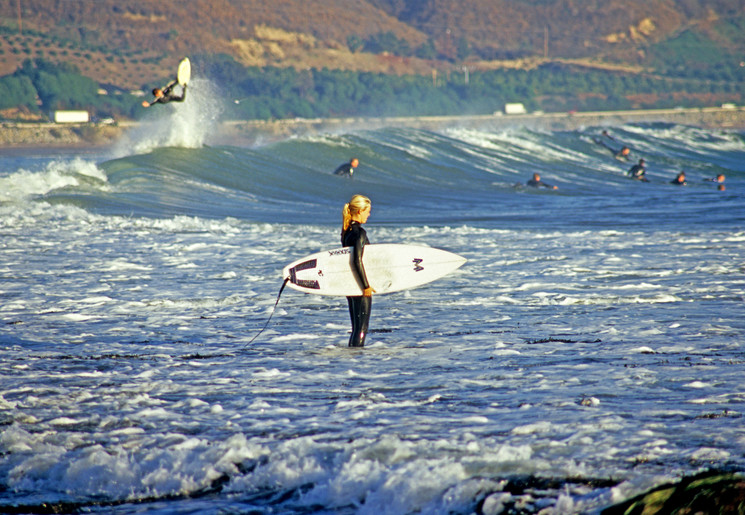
{"x": 26, "y": 135}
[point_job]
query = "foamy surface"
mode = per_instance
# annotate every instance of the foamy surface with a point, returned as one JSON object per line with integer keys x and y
{"x": 590, "y": 348}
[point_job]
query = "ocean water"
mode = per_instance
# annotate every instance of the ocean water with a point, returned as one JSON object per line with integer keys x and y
{"x": 590, "y": 349}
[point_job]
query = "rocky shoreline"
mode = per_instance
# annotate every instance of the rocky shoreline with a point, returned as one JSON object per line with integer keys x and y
{"x": 15, "y": 135}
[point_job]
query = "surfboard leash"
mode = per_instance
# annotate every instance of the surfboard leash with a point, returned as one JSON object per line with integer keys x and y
{"x": 284, "y": 283}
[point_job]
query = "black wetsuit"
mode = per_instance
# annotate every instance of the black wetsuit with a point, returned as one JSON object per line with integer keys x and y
{"x": 359, "y": 307}
{"x": 345, "y": 169}
{"x": 538, "y": 184}
{"x": 169, "y": 95}
{"x": 637, "y": 172}
{"x": 617, "y": 153}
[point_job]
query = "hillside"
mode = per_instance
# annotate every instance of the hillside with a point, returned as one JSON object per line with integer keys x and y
{"x": 128, "y": 42}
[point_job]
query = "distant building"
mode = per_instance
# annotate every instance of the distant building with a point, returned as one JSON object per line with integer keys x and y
{"x": 515, "y": 108}
{"x": 71, "y": 117}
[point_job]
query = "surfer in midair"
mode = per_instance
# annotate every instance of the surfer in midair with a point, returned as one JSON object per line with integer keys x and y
{"x": 166, "y": 94}
{"x": 354, "y": 214}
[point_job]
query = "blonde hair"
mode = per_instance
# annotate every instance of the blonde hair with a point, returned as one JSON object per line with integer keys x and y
{"x": 354, "y": 206}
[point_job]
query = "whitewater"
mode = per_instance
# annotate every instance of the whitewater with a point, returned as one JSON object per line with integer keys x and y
{"x": 590, "y": 349}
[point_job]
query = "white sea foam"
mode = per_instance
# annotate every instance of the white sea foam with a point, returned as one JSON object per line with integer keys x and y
{"x": 22, "y": 184}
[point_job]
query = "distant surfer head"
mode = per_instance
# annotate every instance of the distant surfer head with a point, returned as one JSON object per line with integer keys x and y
{"x": 157, "y": 92}
{"x": 354, "y": 162}
{"x": 358, "y": 208}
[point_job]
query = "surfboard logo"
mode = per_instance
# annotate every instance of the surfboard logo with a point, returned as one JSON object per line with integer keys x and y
{"x": 417, "y": 262}
{"x": 305, "y": 283}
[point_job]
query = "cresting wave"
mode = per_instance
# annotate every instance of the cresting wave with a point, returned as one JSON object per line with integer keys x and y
{"x": 459, "y": 176}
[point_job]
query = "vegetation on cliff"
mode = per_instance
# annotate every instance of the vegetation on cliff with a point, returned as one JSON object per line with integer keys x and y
{"x": 374, "y": 57}
{"x": 266, "y": 93}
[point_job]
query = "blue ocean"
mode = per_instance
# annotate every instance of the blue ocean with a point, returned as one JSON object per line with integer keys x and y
{"x": 590, "y": 349}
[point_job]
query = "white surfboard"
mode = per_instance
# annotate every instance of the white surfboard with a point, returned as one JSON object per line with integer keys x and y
{"x": 389, "y": 268}
{"x": 183, "y": 75}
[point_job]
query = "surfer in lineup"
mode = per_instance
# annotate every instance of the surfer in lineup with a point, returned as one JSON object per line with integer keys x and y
{"x": 165, "y": 95}
{"x": 536, "y": 182}
{"x": 719, "y": 179}
{"x": 680, "y": 180}
{"x": 621, "y": 154}
{"x": 638, "y": 171}
{"x": 347, "y": 168}
{"x": 354, "y": 214}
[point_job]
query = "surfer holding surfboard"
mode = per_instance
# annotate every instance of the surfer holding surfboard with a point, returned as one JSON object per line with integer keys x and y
{"x": 358, "y": 269}
{"x": 354, "y": 214}
{"x": 167, "y": 94}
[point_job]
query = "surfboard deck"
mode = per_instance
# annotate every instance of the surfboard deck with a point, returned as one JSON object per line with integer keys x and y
{"x": 183, "y": 74}
{"x": 389, "y": 267}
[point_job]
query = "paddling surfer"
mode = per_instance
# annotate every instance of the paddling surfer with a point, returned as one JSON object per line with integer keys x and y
{"x": 719, "y": 178}
{"x": 621, "y": 154}
{"x": 680, "y": 180}
{"x": 354, "y": 214}
{"x": 347, "y": 168}
{"x": 165, "y": 95}
{"x": 638, "y": 171}
{"x": 536, "y": 182}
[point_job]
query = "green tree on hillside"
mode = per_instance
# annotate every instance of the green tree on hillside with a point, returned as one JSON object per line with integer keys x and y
{"x": 17, "y": 91}
{"x": 59, "y": 86}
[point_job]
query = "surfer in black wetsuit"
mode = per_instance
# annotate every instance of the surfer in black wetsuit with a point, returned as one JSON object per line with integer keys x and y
{"x": 638, "y": 171}
{"x": 165, "y": 95}
{"x": 347, "y": 168}
{"x": 536, "y": 182}
{"x": 354, "y": 214}
{"x": 680, "y": 179}
{"x": 621, "y": 154}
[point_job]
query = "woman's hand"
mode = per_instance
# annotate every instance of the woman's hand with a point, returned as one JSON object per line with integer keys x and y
{"x": 368, "y": 292}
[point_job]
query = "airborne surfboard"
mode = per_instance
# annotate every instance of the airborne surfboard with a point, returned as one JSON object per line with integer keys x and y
{"x": 183, "y": 74}
{"x": 389, "y": 268}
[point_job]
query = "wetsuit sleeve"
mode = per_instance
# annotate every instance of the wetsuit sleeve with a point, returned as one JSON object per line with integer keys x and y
{"x": 170, "y": 96}
{"x": 359, "y": 250}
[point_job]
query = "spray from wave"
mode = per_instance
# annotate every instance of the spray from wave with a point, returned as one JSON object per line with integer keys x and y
{"x": 186, "y": 124}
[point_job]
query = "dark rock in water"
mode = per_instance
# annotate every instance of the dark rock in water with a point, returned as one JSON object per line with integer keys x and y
{"x": 712, "y": 492}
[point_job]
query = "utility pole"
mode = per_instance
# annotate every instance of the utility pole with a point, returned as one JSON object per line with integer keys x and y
{"x": 545, "y": 41}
